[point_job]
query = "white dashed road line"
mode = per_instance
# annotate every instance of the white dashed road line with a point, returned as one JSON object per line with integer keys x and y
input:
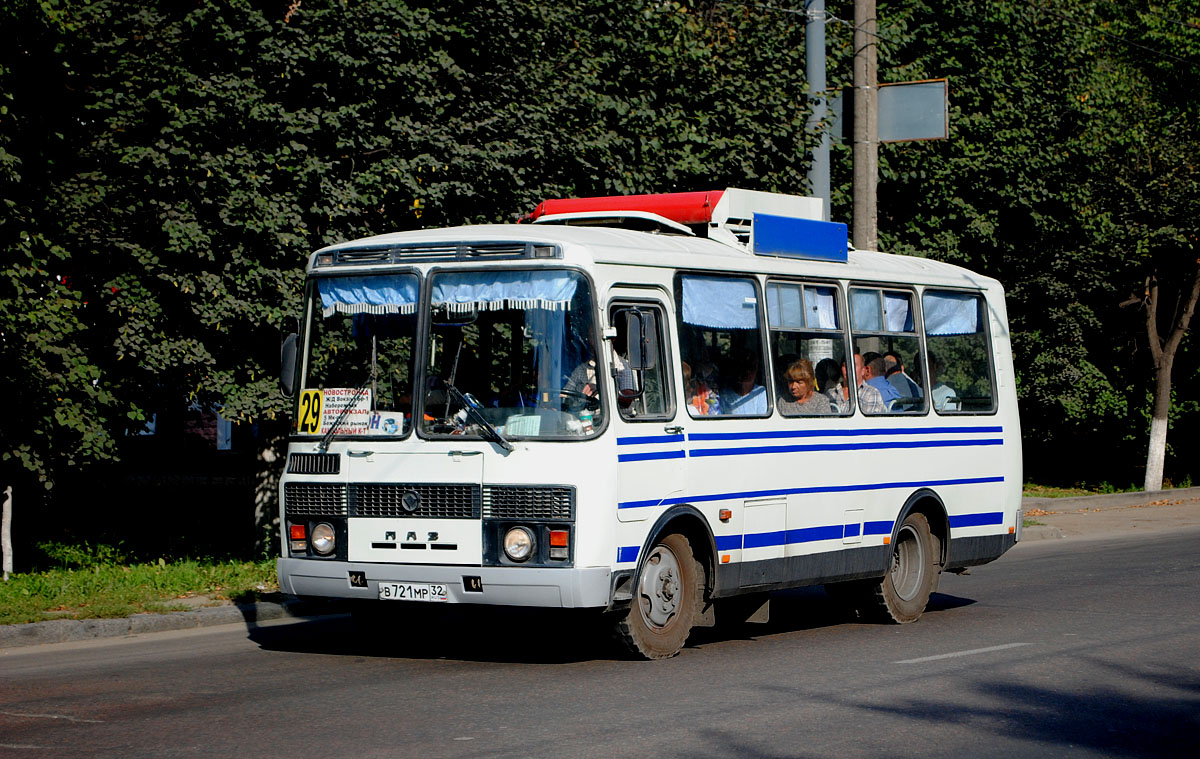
{"x": 957, "y": 654}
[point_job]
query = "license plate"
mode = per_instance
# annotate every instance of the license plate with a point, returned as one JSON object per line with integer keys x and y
{"x": 413, "y": 591}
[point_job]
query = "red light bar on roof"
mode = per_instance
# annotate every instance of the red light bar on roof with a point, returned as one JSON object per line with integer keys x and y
{"x": 681, "y": 207}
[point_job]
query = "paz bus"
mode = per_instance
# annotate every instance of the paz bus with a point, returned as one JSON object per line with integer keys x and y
{"x": 660, "y": 407}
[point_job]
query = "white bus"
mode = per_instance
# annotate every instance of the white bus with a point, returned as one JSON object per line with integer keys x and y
{"x": 646, "y": 405}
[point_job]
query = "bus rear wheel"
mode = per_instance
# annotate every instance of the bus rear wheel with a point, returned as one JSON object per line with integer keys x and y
{"x": 900, "y": 596}
{"x": 664, "y": 605}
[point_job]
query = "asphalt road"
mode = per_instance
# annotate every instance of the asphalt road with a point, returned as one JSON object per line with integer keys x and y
{"x": 1088, "y": 647}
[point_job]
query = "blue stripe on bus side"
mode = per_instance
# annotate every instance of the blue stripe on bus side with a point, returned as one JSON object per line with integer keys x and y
{"x": 728, "y": 542}
{"x": 977, "y": 520}
{"x": 703, "y": 452}
{"x": 806, "y": 491}
{"x": 626, "y": 554}
{"x": 657, "y": 455}
{"x": 784, "y": 434}
{"x": 878, "y": 528}
{"x": 835, "y": 532}
{"x": 643, "y": 440}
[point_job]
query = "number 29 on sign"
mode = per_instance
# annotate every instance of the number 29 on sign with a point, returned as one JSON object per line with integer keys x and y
{"x": 308, "y": 421}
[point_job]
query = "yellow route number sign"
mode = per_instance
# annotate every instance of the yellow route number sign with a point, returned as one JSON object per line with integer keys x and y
{"x": 308, "y": 421}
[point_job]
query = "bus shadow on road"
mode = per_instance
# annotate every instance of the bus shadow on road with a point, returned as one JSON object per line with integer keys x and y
{"x": 533, "y": 636}
{"x": 800, "y": 609}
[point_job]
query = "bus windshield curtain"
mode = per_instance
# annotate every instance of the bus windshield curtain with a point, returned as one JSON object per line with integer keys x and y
{"x": 496, "y": 290}
{"x": 544, "y": 296}
{"x": 951, "y": 314}
{"x": 795, "y": 307}
{"x": 380, "y": 294}
{"x": 720, "y": 303}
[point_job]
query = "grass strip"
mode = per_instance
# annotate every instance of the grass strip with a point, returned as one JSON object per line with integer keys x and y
{"x": 113, "y": 591}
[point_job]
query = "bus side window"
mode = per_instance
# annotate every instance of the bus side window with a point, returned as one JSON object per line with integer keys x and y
{"x": 959, "y": 355}
{"x": 642, "y": 393}
{"x": 720, "y": 342}
{"x": 887, "y": 347}
{"x": 807, "y": 338}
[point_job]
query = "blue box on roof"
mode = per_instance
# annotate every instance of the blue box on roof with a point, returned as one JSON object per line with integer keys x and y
{"x": 799, "y": 238}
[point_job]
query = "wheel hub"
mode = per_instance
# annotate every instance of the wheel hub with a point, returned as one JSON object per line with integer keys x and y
{"x": 660, "y": 587}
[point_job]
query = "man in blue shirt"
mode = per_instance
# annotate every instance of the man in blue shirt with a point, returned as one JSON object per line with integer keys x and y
{"x": 876, "y": 371}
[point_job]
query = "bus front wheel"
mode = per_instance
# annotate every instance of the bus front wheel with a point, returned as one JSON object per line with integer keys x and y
{"x": 664, "y": 605}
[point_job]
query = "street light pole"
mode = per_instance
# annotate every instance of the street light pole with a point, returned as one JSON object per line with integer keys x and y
{"x": 814, "y": 59}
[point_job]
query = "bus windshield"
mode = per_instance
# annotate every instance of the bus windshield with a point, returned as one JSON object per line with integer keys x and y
{"x": 359, "y": 367}
{"x": 515, "y": 349}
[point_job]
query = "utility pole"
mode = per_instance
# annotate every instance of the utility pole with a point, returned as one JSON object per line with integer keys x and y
{"x": 814, "y": 59}
{"x": 866, "y": 127}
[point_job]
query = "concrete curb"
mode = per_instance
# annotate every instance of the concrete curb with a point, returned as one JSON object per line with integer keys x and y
{"x": 68, "y": 630}
{"x": 1040, "y": 532}
{"x": 1111, "y": 501}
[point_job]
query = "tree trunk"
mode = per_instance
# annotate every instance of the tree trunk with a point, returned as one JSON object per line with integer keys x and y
{"x": 1157, "y": 453}
{"x": 1163, "y": 352}
{"x": 6, "y": 532}
{"x": 268, "y": 467}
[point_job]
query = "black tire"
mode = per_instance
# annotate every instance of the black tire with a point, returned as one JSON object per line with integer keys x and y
{"x": 900, "y": 596}
{"x": 664, "y": 602}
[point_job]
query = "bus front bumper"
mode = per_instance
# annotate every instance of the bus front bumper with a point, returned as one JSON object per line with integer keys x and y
{"x": 567, "y": 588}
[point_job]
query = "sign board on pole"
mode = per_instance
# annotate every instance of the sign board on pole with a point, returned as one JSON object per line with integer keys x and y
{"x": 907, "y": 111}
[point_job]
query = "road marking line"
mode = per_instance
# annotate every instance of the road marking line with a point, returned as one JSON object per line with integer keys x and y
{"x": 972, "y": 652}
{"x": 53, "y": 716}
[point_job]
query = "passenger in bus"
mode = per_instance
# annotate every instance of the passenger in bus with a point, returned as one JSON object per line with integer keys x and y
{"x": 702, "y": 400}
{"x": 898, "y": 378}
{"x": 869, "y": 399}
{"x": 802, "y": 385}
{"x": 876, "y": 369}
{"x": 943, "y": 396}
{"x": 745, "y": 396}
{"x": 829, "y": 383}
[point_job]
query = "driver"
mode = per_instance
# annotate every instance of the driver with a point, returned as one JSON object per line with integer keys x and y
{"x": 583, "y": 380}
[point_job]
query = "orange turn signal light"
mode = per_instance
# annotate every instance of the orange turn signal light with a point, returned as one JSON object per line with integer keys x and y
{"x": 725, "y": 559}
{"x": 559, "y": 538}
{"x": 725, "y": 515}
{"x": 887, "y": 541}
{"x": 296, "y": 532}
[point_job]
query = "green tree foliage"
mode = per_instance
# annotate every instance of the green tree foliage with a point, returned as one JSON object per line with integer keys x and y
{"x": 1070, "y": 176}
{"x": 166, "y": 167}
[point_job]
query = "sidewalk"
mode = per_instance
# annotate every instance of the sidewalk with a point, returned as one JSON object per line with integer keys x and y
{"x": 1116, "y": 514}
{"x": 1060, "y": 518}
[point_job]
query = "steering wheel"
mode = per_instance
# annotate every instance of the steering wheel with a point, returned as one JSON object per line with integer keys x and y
{"x": 580, "y": 400}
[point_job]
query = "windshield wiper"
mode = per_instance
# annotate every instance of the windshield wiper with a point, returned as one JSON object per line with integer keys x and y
{"x": 472, "y": 407}
{"x": 341, "y": 417}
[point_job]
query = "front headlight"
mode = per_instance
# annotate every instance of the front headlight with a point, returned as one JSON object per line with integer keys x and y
{"x": 518, "y": 543}
{"x": 323, "y": 539}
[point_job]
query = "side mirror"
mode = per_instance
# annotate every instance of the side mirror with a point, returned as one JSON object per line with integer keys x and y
{"x": 287, "y": 364}
{"x": 641, "y": 342}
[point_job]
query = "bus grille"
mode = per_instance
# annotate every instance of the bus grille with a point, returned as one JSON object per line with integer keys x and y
{"x": 524, "y": 502}
{"x": 436, "y": 502}
{"x": 314, "y": 463}
{"x": 314, "y": 499}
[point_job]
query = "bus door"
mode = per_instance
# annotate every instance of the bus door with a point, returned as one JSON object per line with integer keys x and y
{"x": 650, "y": 445}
